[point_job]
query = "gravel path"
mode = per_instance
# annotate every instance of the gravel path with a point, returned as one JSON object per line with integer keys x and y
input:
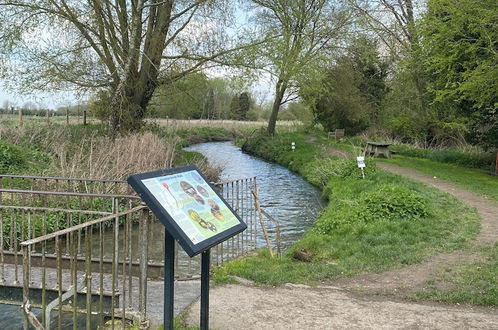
{"x": 299, "y": 307}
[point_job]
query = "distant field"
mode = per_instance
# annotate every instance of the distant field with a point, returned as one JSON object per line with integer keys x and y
{"x": 14, "y": 119}
{"x": 216, "y": 123}
{"x": 174, "y": 123}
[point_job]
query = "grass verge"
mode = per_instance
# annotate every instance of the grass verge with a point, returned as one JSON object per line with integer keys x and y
{"x": 382, "y": 222}
{"x": 473, "y": 180}
{"x": 475, "y": 282}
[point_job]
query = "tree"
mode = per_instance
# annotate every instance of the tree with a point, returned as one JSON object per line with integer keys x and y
{"x": 126, "y": 48}
{"x": 183, "y": 98}
{"x": 209, "y": 109}
{"x": 350, "y": 93}
{"x": 300, "y": 30}
{"x": 460, "y": 42}
{"x": 235, "y": 107}
{"x": 394, "y": 23}
{"x": 244, "y": 105}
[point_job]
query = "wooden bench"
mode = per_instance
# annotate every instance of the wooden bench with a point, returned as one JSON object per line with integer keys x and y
{"x": 338, "y": 133}
{"x": 378, "y": 148}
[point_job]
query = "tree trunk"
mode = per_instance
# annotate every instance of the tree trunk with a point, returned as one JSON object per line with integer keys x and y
{"x": 279, "y": 96}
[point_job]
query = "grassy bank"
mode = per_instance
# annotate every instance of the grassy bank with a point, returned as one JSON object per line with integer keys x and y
{"x": 373, "y": 224}
{"x": 472, "y": 282}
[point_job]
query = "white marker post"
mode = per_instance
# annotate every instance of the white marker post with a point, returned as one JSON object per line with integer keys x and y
{"x": 293, "y": 146}
{"x": 361, "y": 164}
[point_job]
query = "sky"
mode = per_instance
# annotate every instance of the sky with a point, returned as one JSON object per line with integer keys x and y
{"x": 49, "y": 100}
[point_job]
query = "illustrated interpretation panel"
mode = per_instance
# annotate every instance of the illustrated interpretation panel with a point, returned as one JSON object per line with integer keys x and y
{"x": 192, "y": 204}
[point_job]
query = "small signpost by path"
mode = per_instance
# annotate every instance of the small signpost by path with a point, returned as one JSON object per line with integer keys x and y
{"x": 361, "y": 165}
{"x": 194, "y": 214}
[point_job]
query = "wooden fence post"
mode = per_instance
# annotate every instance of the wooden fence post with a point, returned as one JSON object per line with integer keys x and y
{"x": 84, "y": 117}
{"x": 67, "y": 116}
{"x": 20, "y": 117}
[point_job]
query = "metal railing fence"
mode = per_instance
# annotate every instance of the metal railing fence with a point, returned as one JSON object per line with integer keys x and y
{"x": 83, "y": 252}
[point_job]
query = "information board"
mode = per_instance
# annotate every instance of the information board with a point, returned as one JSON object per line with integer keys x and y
{"x": 192, "y": 211}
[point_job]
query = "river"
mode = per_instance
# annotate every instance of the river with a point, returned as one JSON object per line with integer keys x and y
{"x": 286, "y": 196}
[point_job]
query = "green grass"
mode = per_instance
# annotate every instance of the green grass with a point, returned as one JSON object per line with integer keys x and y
{"x": 383, "y": 222}
{"x": 473, "y": 180}
{"x": 475, "y": 283}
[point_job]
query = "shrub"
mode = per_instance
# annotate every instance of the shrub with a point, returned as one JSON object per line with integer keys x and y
{"x": 12, "y": 158}
{"x": 394, "y": 202}
{"x": 386, "y": 203}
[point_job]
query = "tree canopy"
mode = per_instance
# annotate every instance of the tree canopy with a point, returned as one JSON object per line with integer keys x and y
{"x": 125, "y": 47}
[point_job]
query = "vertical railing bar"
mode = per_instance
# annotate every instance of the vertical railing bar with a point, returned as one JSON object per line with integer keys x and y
{"x": 58, "y": 252}
{"x": 130, "y": 260}
{"x": 115, "y": 252}
{"x": 26, "y": 275}
{"x": 13, "y": 224}
{"x": 74, "y": 278}
{"x": 142, "y": 300}
{"x": 140, "y": 251}
{"x": 78, "y": 251}
{"x": 101, "y": 274}
{"x": 88, "y": 275}
{"x": 23, "y": 225}
{"x": 147, "y": 238}
{"x": 125, "y": 259}
{"x": 44, "y": 271}
{"x": 67, "y": 225}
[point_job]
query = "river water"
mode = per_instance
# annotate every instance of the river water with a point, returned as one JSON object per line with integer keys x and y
{"x": 286, "y": 196}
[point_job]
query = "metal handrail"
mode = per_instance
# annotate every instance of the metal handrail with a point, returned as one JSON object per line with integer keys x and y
{"x": 59, "y": 178}
{"x": 65, "y": 193}
{"x": 80, "y": 226}
{"x": 52, "y": 209}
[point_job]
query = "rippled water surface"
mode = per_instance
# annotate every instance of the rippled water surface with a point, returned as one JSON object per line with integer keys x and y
{"x": 284, "y": 194}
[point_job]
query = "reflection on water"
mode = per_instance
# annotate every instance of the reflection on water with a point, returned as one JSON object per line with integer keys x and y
{"x": 284, "y": 195}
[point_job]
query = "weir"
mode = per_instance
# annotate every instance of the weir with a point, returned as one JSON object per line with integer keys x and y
{"x": 81, "y": 252}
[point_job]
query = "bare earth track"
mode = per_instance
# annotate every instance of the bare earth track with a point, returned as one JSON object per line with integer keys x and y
{"x": 371, "y": 301}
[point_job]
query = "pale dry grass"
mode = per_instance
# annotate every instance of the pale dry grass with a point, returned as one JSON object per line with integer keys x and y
{"x": 221, "y": 123}
{"x": 104, "y": 158}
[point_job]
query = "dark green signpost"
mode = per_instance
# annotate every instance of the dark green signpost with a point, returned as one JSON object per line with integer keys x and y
{"x": 194, "y": 214}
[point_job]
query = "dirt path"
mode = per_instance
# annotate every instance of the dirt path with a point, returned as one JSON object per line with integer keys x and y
{"x": 299, "y": 307}
{"x": 371, "y": 301}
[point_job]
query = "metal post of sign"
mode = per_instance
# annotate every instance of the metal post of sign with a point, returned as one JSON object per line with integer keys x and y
{"x": 205, "y": 262}
{"x": 169, "y": 279}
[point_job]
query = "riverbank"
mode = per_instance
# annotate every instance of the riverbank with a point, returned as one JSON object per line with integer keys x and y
{"x": 381, "y": 222}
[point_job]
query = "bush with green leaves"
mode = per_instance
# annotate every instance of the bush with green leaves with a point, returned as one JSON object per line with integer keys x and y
{"x": 385, "y": 203}
{"x": 12, "y": 158}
